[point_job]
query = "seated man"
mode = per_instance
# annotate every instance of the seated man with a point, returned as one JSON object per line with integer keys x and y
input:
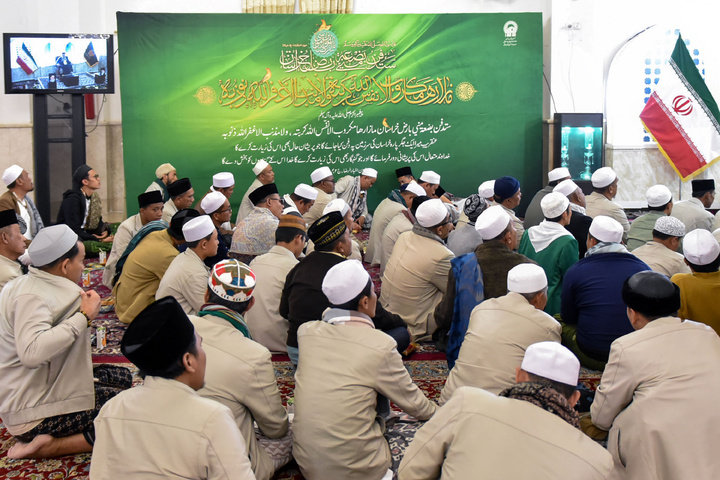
{"x": 182, "y": 196}
{"x": 552, "y": 245}
{"x": 217, "y": 206}
{"x": 50, "y": 393}
{"x": 533, "y": 213}
{"x": 401, "y": 223}
{"x": 224, "y": 183}
{"x": 429, "y": 181}
{"x": 507, "y": 193}
{"x": 239, "y": 371}
{"x": 163, "y": 428}
{"x": 150, "y": 206}
{"x": 186, "y": 278}
{"x": 404, "y": 175}
{"x": 700, "y": 289}
{"x": 464, "y": 240}
{"x": 599, "y": 202}
{"x": 324, "y": 183}
{"x": 660, "y": 204}
{"x": 593, "y": 313}
{"x": 477, "y": 431}
{"x": 579, "y": 222}
{"x": 255, "y": 234}
{"x": 166, "y": 174}
{"x": 268, "y": 327}
{"x": 398, "y": 200}
{"x": 340, "y": 205}
{"x": 500, "y": 331}
{"x": 12, "y": 245}
{"x": 354, "y": 191}
{"x": 416, "y": 275}
{"x": 649, "y": 389}
{"x": 81, "y": 207}
{"x": 487, "y": 191}
{"x": 145, "y": 265}
{"x": 19, "y": 185}
{"x": 345, "y": 364}
{"x": 264, "y": 175}
{"x": 693, "y": 212}
{"x": 661, "y": 253}
{"x": 301, "y": 200}
{"x": 302, "y": 297}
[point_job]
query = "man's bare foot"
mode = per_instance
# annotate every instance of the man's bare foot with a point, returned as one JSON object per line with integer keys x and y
{"x": 39, "y": 447}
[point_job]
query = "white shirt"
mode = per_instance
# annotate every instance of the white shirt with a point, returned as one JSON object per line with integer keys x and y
{"x": 25, "y": 214}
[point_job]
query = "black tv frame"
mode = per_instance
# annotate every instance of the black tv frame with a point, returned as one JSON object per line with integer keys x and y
{"x": 9, "y": 58}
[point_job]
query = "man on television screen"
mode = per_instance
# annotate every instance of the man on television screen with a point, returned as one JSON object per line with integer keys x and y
{"x": 52, "y": 81}
{"x": 100, "y": 78}
{"x": 63, "y": 64}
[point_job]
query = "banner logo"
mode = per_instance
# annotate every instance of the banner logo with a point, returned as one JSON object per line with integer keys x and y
{"x": 510, "y": 28}
{"x": 323, "y": 42}
{"x": 682, "y": 105}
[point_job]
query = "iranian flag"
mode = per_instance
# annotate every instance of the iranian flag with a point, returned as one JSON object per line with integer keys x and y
{"x": 682, "y": 116}
{"x": 26, "y": 60}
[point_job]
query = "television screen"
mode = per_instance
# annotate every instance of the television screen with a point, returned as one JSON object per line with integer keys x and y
{"x": 64, "y": 63}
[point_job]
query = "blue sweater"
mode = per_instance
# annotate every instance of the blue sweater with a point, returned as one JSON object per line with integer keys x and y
{"x": 592, "y": 299}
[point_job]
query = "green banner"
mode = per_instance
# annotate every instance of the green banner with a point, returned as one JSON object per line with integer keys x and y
{"x": 460, "y": 94}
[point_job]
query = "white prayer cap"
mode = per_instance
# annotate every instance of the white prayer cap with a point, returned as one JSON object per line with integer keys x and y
{"x": 487, "y": 189}
{"x": 197, "y": 228}
{"x": 492, "y": 222}
{"x": 552, "y": 361}
{"x": 658, "y": 195}
{"x": 11, "y": 174}
{"x": 716, "y": 234}
{"x": 345, "y": 281}
{"x": 259, "y": 167}
{"x": 430, "y": 177}
{"x": 670, "y": 226}
{"x": 413, "y": 187}
{"x": 51, "y": 243}
{"x": 369, "y": 172}
{"x": 320, "y": 174}
{"x": 305, "y": 191}
{"x": 223, "y": 180}
{"x": 554, "y": 204}
{"x": 431, "y": 213}
{"x": 566, "y": 187}
{"x": 602, "y": 177}
{"x": 212, "y": 202}
{"x": 699, "y": 247}
{"x": 337, "y": 205}
{"x": 526, "y": 278}
{"x": 606, "y": 229}
{"x": 164, "y": 169}
{"x": 558, "y": 173}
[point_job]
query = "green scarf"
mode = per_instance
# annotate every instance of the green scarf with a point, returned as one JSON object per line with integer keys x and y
{"x": 395, "y": 196}
{"x": 233, "y": 317}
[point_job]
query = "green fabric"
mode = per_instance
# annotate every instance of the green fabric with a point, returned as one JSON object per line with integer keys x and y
{"x": 231, "y": 316}
{"x": 556, "y": 259}
{"x": 95, "y": 247}
{"x": 641, "y": 229}
{"x": 569, "y": 339}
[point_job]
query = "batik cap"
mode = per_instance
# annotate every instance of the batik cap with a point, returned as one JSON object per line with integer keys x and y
{"x": 232, "y": 280}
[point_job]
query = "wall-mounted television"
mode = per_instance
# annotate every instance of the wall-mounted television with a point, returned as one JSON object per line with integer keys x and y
{"x": 58, "y": 63}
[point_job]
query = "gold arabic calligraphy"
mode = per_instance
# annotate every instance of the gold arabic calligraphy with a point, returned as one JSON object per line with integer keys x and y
{"x": 303, "y": 60}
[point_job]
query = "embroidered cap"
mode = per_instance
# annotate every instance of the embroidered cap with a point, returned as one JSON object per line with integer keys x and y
{"x": 670, "y": 226}
{"x": 232, "y": 280}
{"x": 327, "y": 229}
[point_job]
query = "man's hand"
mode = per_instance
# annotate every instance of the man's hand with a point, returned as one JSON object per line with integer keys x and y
{"x": 90, "y": 303}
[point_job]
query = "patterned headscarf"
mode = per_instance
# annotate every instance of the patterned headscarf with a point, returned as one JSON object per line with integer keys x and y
{"x": 544, "y": 397}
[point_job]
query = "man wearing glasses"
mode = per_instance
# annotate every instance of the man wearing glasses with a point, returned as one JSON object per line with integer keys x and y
{"x": 255, "y": 234}
{"x": 324, "y": 182}
{"x": 81, "y": 207}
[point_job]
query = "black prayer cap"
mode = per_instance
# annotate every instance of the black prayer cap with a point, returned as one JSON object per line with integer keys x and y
{"x": 417, "y": 201}
{"x": 179, "y": 219}
{"x": 261, "y": 193}
{"x": 81, "y": 174}
{"x": 402, "y": 171}
{"x": 158, "y": 337}
{"x": 7, "y": 218}
{"x": 440, "y": 191}
{"x": 148, "y": 198}
{"x": 327, "y": 228}
{"x": 703, "y": 185}
{"x": 179, "y": 186}
{"x": 652, "y": 294}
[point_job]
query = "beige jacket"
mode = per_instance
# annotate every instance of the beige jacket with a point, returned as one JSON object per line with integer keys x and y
{"x": 479, "y": 435}
{"x": 246, "y": 206}
{"x": 9, "y": 269}
{"x": 125, "y": 232}
{"x": 499, "y": 332}
{"x": 517, "y": 223}
{"x": 415, "y": 281}
{"x": 239, "y": 374}
{"x": 657, "y": 396}
{"x": 169, "y": 209}
{"x": 267, "y": 326}
{"x": 140, "y": 279}
{"x": 598, "y": 204}
{"x": 316, "y": 210}
{"x": 398, "y": 225}
{"x": 693, "y": 214}
{"x": 661, "y": 259}
{"x": 342, "y": 368}
{"x": 384, "y": 212}
{"x": 186, "y": 279}
{"x": 163, "y": 429}
{"x": 45, "y": 362}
